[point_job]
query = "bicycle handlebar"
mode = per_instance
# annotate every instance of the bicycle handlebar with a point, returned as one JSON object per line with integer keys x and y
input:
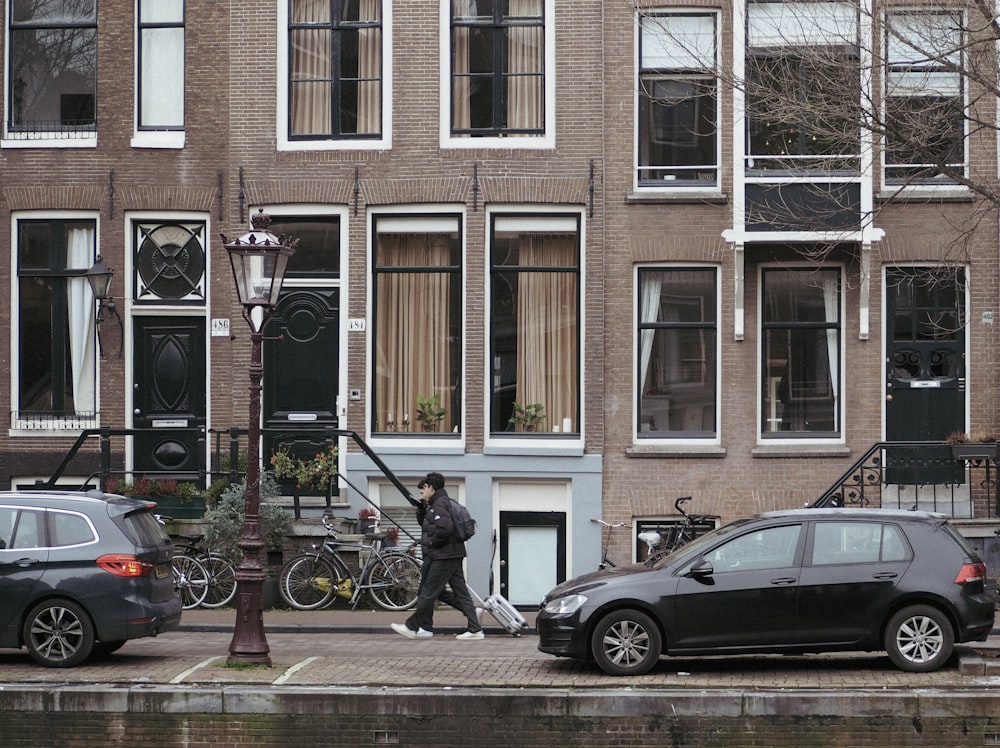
{"x": 607, "y": 524}
{"x": 681, "y": 500}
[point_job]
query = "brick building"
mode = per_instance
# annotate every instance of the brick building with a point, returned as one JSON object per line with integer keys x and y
{"x": 528, "y": 202}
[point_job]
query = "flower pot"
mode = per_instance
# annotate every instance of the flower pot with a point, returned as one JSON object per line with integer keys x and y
{"x": 176, "y": 508}
{"x": 974, "y": 451}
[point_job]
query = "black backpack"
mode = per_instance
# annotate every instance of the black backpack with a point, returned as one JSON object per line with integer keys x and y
{"x": 465, "y": 525}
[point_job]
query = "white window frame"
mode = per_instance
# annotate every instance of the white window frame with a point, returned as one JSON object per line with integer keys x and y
{"x": 963, "y": 92}
{"x": 674, "y": 441}
{"x": 803, "y": 438}
{"x": 420, "y": 218}
{"x": 284, "y": 143}
{"x": 710, "y": 70}
{"x": 534, "y": 142}
{"x": 32, "y": 140}
{"x": 563, "y": 443}
{"x": 55, "y": 424}
{"x": 168, "y": 136}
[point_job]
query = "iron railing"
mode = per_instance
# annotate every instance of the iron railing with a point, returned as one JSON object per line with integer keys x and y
{"x": 957, "y": 480}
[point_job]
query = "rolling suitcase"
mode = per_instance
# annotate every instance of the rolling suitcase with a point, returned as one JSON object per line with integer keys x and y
{"x": 506, "y": 614}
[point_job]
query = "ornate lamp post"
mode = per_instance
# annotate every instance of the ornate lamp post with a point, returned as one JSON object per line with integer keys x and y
{"x": 259, "y": 260}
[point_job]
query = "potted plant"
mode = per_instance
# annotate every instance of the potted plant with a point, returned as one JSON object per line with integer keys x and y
{"x": 429, "y": 411}
{"x": 528, "y": 416}
{"x": 177, "y": 500}
{"x": 316, "y": 472}
{"x": 223, "y": 527}
{"x": 981, "y": 445}
{"x": 367, "y": 519}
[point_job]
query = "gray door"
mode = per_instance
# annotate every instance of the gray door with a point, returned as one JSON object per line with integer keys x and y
{"x": 925, "y": 368}
{"x": 169, "y": 396}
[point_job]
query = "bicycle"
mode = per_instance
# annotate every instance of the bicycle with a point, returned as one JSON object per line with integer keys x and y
{"x": 605, "y": 561}
{"x": 664, "y": 541}
{"x": 220, "y": 587}
{"x": 315, "y": 579}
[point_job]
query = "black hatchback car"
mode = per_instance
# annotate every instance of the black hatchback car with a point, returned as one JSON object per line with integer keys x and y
{"x": 798, "y": 581}
{"x": 80, "y": 574}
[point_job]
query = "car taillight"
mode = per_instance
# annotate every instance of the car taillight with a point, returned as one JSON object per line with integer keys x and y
{"x": 971, "y": 573}
{"x": 123, "y": 565}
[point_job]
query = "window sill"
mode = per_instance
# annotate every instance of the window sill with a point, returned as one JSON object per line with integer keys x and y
{"x": 174, "y": 139}
{"x": 951, "y": 193}
{"x": 801, "y": 450}
{"x": 676, "y": 450}
{"x": 86, "y": 142}
{"x": 655, "y": 196}
{"x": 535, "y": 447}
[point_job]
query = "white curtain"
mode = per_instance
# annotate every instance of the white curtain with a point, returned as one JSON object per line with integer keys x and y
{"x": 650, "y": 306}
{"x": 82, "y": 332}
{"x": 831, "y": 307}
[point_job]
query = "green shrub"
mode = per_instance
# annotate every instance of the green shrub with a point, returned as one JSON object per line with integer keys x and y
{"x": 224, "y": 521}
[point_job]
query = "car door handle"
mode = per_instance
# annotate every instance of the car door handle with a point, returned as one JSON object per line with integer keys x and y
{"x": 784, "y": 580}
{"x": 22, "y": 562}
{"x": 885, "y": 575}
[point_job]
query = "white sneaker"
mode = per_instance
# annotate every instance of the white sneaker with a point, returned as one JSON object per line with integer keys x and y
{"x": 424, "y": 634}
{"x": 403, "y": 630}
{"x": 471, "y": 635}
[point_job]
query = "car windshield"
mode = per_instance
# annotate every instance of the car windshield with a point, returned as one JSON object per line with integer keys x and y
{"x": 698, "y": 543}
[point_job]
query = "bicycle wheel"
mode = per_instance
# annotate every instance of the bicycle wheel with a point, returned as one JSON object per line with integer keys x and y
{"x": 393, "y": 580}
{"x": 221, "y": 581}
{"x": 310, "y": 582}
{"x": 191, "y": 580}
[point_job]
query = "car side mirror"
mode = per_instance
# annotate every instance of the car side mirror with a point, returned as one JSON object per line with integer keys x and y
{"x": 701, "y": 568}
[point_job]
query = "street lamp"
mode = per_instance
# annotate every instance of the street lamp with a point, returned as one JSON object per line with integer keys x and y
{"x": 99, "y": 276}
{"x": 259, "y": 260}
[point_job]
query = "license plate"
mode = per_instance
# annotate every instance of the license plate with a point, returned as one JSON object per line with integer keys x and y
{"x": 162, "y": 570}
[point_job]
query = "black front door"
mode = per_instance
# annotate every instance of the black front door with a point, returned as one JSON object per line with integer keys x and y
{"x": 169, "y": 396}
{"x": 300, "y": 371}
{"x": 925, "y": 370}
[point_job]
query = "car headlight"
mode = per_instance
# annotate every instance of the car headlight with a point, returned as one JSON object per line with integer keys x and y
{"x": 564, "y": 606}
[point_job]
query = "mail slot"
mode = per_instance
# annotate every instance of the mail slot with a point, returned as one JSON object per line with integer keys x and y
{"x": 302, "y": 417}
{"x": 924, "y": 384}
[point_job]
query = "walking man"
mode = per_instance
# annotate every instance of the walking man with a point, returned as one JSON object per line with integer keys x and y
{"x": 442, "y": 565}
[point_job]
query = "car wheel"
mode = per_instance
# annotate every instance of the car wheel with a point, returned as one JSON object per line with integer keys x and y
{"x": 919, "y": 639}
{"x": 626, "y": 642}
{"x": 58, "y": 633}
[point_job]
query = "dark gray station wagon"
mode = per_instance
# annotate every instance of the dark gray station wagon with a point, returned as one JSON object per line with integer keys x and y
{"x": 80, "y": 574}
{"x": 799, "y": 581}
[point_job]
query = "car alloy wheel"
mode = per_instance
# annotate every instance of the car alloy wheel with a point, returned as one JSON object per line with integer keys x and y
{"x": 626, "y": 642}
{"x": 58, "y": 633}
{"x": 919, "y": 639}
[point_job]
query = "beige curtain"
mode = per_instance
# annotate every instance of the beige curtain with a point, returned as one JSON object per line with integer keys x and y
{"x": 412, "y": 339}
{"x": 547, "y": 330}
{"x": 460, "y": 91}
{"x": 310, "y": 73}
{"x": 525, "y": 62}
{"x": 311, "y": 66}
{"x": 370, "y": 70}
